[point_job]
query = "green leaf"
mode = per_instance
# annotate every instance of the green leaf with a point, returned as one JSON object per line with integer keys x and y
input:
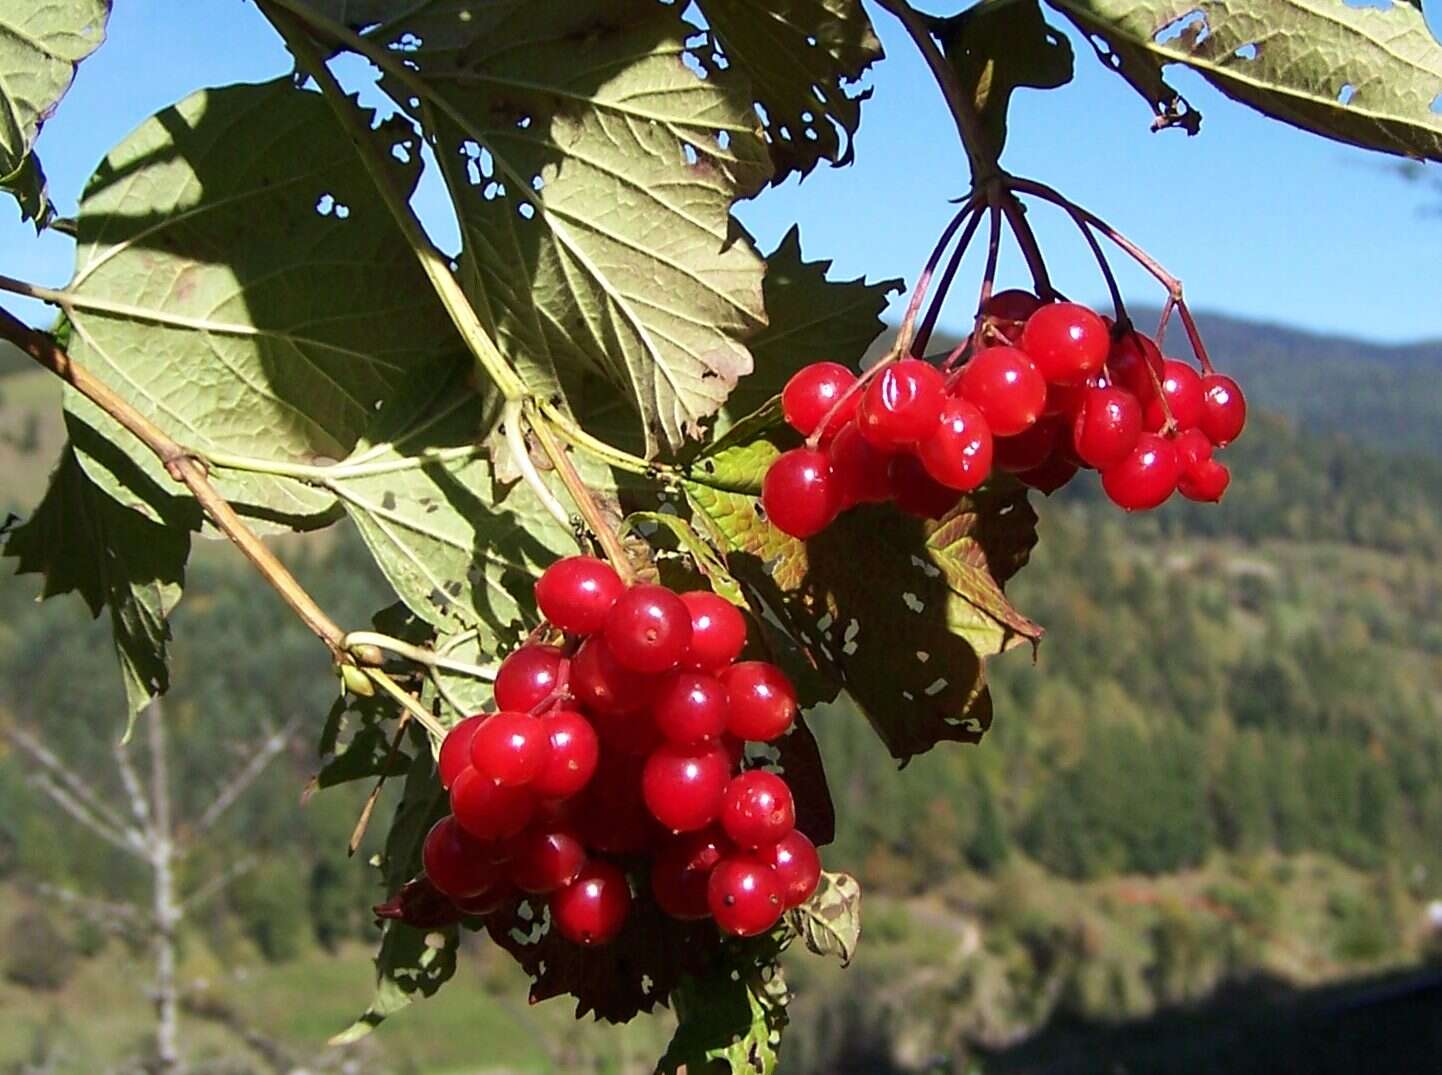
{"x": 593, "y": 173}
{"x": 41, "y": 44}
{"x": 830, "y": 921}
{"x": 366, "y": 753}
{"x": 999, "y": 45}
{"x": 708, "y": 562}
{"x": 1360, "y": 74}
{"x": 732, "y": 1016}
{"x": 84, "y": 542}
{"x": 239, "y": 281}
{"x": 800, "y": 56}
{"x": 410, "y": 962}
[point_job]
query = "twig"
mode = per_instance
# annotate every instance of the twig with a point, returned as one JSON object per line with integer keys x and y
{"x": 138, "y": 801}
{"x": 129, "y": 842}
{"x": 943, "y": 286}
{"x": 904, "y": 334}
{"x": 218, "y": 884}
{"x": 414, "y": 708}
{"x": 363, "y": 822}
{"x": 104, "y": 913}
{"x": 521, "y": 456}
{"x": 988, "y": 276}
{"x": 247, "y": 775}
{"x": 419, "y": 654}
{"x": 39, "y": 753}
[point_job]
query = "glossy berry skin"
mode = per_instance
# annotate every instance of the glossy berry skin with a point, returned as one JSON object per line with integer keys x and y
{"x": 861, "y": 470}
{"x": 605, "y": 686}
{"x": 1193, "y": 448}
{"x": 577, "y": 592}
{"x": 958, "y": 453}
{"x": 799, "y": 494}
{"x": 744, "y": 895}
{"x": 1067, "y": 342}
{"x": 1028, "y": 450}
{"x": 681, "y": 869}
{"x": 1182, "y": 390}
{"x": 812, "y": 392}
{"x": 718, "y": 631}
{"x": 901, "y": 404}
{"x": 1144, "y": 479}
{"x": 1224, "y": 409}
{"x": 1050, "y": 476}
{"x": 1206, "y": 481}
{"x": 1006, "y": 386}
{"x": 916, "y": 492}
{"x": 489, "y": 811}
{"x": 763, "y": 701}
{"x": 511, "y": 748}
{"x": 1014, "y": 304}
{"x": 571, "y": 763}
{"x": 1128, "y": 362}
{"x": 797, "y": 866}
{"x": 528, "y": 677}
{"x": 757, "y": 809}
{"x": 455, "y": 756}
{"x": 546, "y": 860}
{"x": 649, "y": 629}
{"x": 683, "y": 786}
{"x": 454, "y": 863}
{"x": 591, "y": 910}
{"x": 690, "y": 707}
{"x": 1106, "y": 427}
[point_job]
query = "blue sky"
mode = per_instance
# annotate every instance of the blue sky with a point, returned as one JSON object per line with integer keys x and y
{"x": 1260, "y": 220}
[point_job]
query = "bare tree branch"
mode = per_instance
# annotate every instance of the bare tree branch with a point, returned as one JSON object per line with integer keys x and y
{"x": 128, "y": 841}
{"x": 217, "y": 884}
{"x": 247, "y": 775}
{"x": 139, "y": 804}
{"x": 34, "y": 748}
{"x": 107, "y": 914}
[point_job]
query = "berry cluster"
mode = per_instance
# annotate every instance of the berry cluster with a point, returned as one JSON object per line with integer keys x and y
{"x": 624, "y": 744}
{"x": 1054, "y": 388}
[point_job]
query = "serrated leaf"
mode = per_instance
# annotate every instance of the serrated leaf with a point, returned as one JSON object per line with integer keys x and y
{"x": 411, "y": 963}
{"x": 1370, "y": 76}
{"x": 829, "y": 923}
{"x": 799, "y": 760}
{"x": 41, "y": 44}
{"x": 463, "y": 694}
{"x": 368, "y": 724}
{"x": 84, "y": 542}
{"x": 998, "y": 46}
{"x": 733, "y": 1016}
{"x": 239, "y": 282}
{"x": 802, "y": 57}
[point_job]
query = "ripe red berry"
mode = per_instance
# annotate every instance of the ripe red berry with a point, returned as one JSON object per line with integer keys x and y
{"x": 1065, "y": 400}
{"x": 681, "y": 869}
{"x": 1006, "y": 386}
{"x": 1224, "y": 409}
{"x": 690, "y": 707}
{"x": 916, "y": 492}
{"x": 546, "y": 860}
{"x": 1127, "y": 365}
{"x": 799, "y": 494}
{"x": 1206, "y": 481}
{"x": 744, "y": 895}
{"x": 958, "y": 452}
{"x": 649, "y": 629}
{"x": 1028, "y": 450}
{"x": 1144, "y": 479}
{"x": 1106, "y": 427}
{"x": 611, "y": 816}
{"x": 455, "y": 754}
{"x": 489, "y": 811}
{"x": 528, "y": 677}
{"x": 718, "y": 631}
{"x": 605, "y": 686}
{"x": 757, "y": 809}
{"x": 634, "y": 734}
{"x": 1193, "y": 447}
{"x": 454, "y": 862}
{"x": 797, "y": 866}
{"x": 683, "y": 785}
{"x": 592, "y": 909}
{"x": 499, "y": 895}
{"x": 763, "y": 702}
{"x": 573, "y": 756}
{"x": 1067, "y": 342}
{"x": 1182, "y": 390}
{"x": 901, "y": 404}
{"x": 860, "y": 469}
{"x": 576, "y": 593}
{"x": 1050, "y": 476}
{"x": 1014, "y": 304}
{"x": 510, "y": 748}
{"x": 812, "y": 392}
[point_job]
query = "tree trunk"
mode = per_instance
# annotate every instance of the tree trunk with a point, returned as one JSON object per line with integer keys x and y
{"x": 166, "y": 910}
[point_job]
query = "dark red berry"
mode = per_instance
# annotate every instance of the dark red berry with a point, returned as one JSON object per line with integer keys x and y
{"x": 605, "y": 686}
{"x": 611, "y": 816}
{"x": 1067, "y": 342}
{"x": 1106, "y": 427}
{"x": 1224, "y": 409}
{"x": 1014, "y": 304}
{"x": 1132, "y": 364}
{"x": 690, "y": 707}
{"x": 811, "y": 394}
{"x": 1006, "y": 386}
{"x": 718, "y": 631}
{"x": 1028, "y": 450}
{"x": 528, "y": 677}
{"x": 1206, "y": 481}
{"x": 681, "y": 869}
{"x": 634, "y": 734}
{"x": 576, "y": 593}
{"x": 958, "y": 452}
{"x": 1064, "y": 400}
{"x": 860, "y": 469}
{"x": 916, "y": 492}
{"x": 1050, "y": 476}
{"x": 455, "y": 755}
{"x": 901, "y": 404}
{"x": 510, "y": 748}
{"x": 797, "y": 866}
{"x": 799, "y": 494}
{"x": 757, "y": 809}
{"x": 1182, "y": 390}
{"x": 649, "y": 629}
{"x": 592, "y": 909}
{"x": 683, "y": 785}
{"x": 1144, "y": 479}
{"x": 572, "y": 759}
{"x": 546, "y": 860}
{"x": 489, "y": 811}
{"x": 763, "y": 702}
{"x": 1193, "y": 447}
{"x": 454, "y": 862}
{"x": 744, "y": 895}
{"x": 493, "y": 899}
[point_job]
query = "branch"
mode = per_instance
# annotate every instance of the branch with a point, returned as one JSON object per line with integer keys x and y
{"x": 139, "y": 801}
{"x": 217, "y": 884}
{"x": 39, "y": 753}
{"x": 103, "y": 913}
{"x": 521, "y": 456}
{"x": 247, "y": 775}
{"x": 420, "y": 655}
{"x": 129, "y": 841}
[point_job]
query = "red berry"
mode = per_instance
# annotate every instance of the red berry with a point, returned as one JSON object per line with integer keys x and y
{"x": 489, "y": 811}
{"x": 592, "y": 909}
{"x": 649, "y": 629}
{"x": 916, "y": 492}
{"x": 958, "y": 452}
{"x": 811, "y": 394}
{"x": 1224, "y": 409}
{"x": 510, "y": 748}
{"x": 799, "y": 494}
{"x": 797, "y": 866}
{"x": 612, "y": 816}
{"x": 1006, "y": 386}
{"x": 860, "y": 469}
{"x": 1128, "y": 362}
{"x": 1065, "y": 400}
{"x": 455, "y": 755}
{"x": 576, "y": 593}
{"x": 528, "y": 677}
{"x": 1193, "y": 447}
{"x": 1014, "y": 304}
{"x": 1067, "y": 342}
{"x": 1182, "y": 390}
{"x": 1145, "y": 478}
{"x": 763, "y": 702}
{"x": 1050, "y": 476}
{"x": 683, "y": 786}
{"x": 634, "y": 734}
{"x": 546, "y": 860}
{"x": 681, "y": 869}
{"x": 757, "y": 809}
{"x": 744, "y": 895}
{"x": 1106, "y": 427}
{"x": 454, "y": 861}
{"x": 605, "y": 686}
{"x": 718, "y": 631}
{"x": 901, "y": 405}
{"x": 1206, "y": 481}
{"x": 490, "y": 901}
{"x": 572, "y": 759}
{"x": 1028, "y": 450}
{"x": 690, "y": 707}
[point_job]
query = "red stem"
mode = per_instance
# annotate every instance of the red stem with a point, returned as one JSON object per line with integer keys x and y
{"x": 933, "y": 311}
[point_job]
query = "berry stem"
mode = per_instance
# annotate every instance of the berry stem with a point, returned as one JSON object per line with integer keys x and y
{"x": 1119, "y": 308}
{"x": 408, "y": 702}
{"x": 1194, "y": 335}
{"x": 988, "y": 276}
{"x": 906, "y": 332}
{"x": 1167, "y": 308}
{"x": 419, "y": 654}
{"x": 1026, "y": 239}
{"x": 612, "y": 456}
{"x": 938, "y": 299}
{"x": 521, "y": 456}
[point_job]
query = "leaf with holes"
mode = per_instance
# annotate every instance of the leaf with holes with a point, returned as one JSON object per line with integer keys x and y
{"x": 41, "y": 44}
{"x": 1360, "y": 74}
{"x": 731, "y": 1019}
{"x": 830, "y": 921}
{"x": 239, "y": 283}
{"x": 411, "y": 963}
{"x": 802, "y": 57}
